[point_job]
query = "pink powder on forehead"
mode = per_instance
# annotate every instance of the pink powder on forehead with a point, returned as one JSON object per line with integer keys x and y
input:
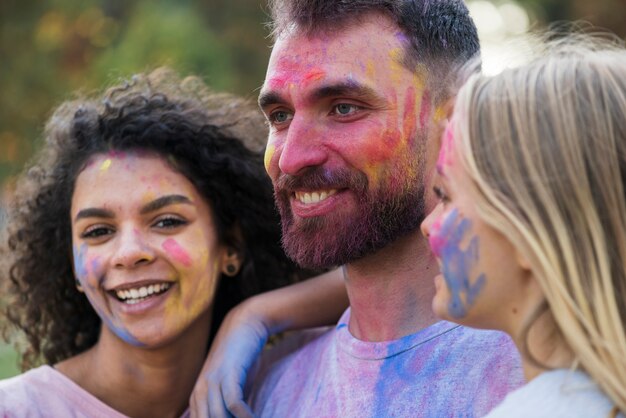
{"x": 116, "y": 154}
{"x": 176, "y": 251}
{"x": 313, "y": 75}
{"x": 277, "y": 82}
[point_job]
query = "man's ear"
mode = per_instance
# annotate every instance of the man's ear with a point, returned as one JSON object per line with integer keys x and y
{"x": 231, "y": 261}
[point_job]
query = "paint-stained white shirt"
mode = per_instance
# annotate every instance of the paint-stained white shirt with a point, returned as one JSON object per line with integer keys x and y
{"x": 445, "y": 370}
{"x": 554, "y": 394}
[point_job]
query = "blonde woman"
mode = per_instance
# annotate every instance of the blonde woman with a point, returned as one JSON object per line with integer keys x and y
{"x": 531, "y": 225}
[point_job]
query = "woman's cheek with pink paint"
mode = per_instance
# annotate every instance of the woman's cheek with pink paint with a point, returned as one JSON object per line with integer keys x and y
{"x": 177, "y": 252}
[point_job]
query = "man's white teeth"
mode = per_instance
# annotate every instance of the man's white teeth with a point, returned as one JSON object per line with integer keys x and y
{"x": 314, "y": 197}
{"x": 138, "y": 294}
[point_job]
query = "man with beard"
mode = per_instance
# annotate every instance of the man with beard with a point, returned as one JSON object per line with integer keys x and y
{"x": 355, "y": 96}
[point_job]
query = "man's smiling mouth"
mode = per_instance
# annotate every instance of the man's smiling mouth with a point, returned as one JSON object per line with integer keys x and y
{"x": 314, "y": 197}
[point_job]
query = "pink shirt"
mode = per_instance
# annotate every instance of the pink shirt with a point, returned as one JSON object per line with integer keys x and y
{"x": 45, "y": 392}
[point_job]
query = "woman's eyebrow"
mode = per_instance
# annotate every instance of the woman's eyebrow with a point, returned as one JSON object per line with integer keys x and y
{"x": 94, "y": 213}
{"x": 165, "y": 201}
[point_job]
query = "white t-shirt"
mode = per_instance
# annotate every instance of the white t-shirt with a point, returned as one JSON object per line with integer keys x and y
{"x": 554, "y": 394}
{"x": 444, "y": 370}
{"x": 46, "y": 392}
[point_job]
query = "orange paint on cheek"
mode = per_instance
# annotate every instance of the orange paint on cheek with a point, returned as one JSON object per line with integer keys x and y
{"x": 379, "y": 152}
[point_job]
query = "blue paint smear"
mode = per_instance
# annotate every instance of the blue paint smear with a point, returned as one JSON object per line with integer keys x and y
{"x": 458, "y": 263}
{"x": 80, "y": 266}
{"x": 395, "y": 371}
{"x": 82, "y": 273}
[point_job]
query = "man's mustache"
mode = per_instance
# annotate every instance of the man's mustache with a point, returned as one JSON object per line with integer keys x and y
{"x": 317, "y": 178}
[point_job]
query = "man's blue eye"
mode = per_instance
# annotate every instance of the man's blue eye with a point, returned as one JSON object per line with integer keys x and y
{"x": 345, "y": 108}
{"x": 280, "y": 116}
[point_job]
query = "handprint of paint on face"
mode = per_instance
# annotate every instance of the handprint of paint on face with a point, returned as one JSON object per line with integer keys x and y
{"x": 457, "y": 263}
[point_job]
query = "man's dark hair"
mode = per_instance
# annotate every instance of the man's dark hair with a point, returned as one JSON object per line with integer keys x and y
{"x": 202, "y": 135}
{"x": 440, "y": 34}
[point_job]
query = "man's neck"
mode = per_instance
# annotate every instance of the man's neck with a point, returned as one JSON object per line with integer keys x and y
{"x": 391, "y": 291}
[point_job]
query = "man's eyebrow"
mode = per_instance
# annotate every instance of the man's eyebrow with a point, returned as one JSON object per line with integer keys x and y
{"x": 269, "y": 98}
{"x": 350, "y": 89}
{"x": 161, "y": 202}
{"x": 94, "y": 213}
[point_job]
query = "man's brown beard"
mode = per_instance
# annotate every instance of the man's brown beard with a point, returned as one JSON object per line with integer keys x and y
{"x": 336, "y": 239}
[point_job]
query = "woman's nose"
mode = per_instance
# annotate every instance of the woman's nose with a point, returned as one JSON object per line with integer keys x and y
{"x": 132, "y": 249}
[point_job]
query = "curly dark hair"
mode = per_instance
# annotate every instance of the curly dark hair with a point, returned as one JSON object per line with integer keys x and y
{"x": 212, "y": 139}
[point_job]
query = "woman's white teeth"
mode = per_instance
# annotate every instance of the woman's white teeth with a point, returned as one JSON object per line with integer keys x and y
{"x": 314, "y": 197}
{"x": 140, "y": 293}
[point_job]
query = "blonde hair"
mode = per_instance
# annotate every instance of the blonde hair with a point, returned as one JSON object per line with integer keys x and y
{"x": 545, "y": 146}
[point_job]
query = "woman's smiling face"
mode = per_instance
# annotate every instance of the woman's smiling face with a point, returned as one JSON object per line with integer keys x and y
{"x": 146, "y": 251}
{"x": 481, "y": 282}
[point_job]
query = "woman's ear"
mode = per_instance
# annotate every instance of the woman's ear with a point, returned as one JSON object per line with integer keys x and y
{"x": 522, "y": 261}
{"x": 231, "y": 261}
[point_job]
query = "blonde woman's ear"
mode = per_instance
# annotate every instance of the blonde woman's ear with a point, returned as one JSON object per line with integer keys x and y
{"x": 231, "y": 262}
{"x": 522, "y": 260}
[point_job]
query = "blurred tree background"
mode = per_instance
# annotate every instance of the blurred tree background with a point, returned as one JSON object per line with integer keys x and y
{"x": 48, "y": 49}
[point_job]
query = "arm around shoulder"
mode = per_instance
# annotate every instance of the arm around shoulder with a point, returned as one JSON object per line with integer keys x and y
{"x": 315, "y": 302}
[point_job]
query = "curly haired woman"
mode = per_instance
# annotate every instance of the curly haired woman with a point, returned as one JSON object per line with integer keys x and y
{"x": 144, "y": 219}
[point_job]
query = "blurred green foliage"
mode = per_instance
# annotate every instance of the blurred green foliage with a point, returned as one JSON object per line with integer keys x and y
{"x": 49, "y": 49}
{"x": 8, "y": 362}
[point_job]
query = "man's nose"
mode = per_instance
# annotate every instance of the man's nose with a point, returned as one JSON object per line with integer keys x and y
{"x": 132, "y": 249}
{"x": 303, "y": 147}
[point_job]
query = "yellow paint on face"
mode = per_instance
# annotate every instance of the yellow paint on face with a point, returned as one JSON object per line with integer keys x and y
{"x": 105, "y": 164}
{"x": 440, "y": 114}
{"x": 395, "y": 63}
{"x": 370, "y": 70}
{"x": 148, "y": 197}
{"x": 270, "y": 149}
{"x": 418, "y": 82}
{"x": 194, "y": 300}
